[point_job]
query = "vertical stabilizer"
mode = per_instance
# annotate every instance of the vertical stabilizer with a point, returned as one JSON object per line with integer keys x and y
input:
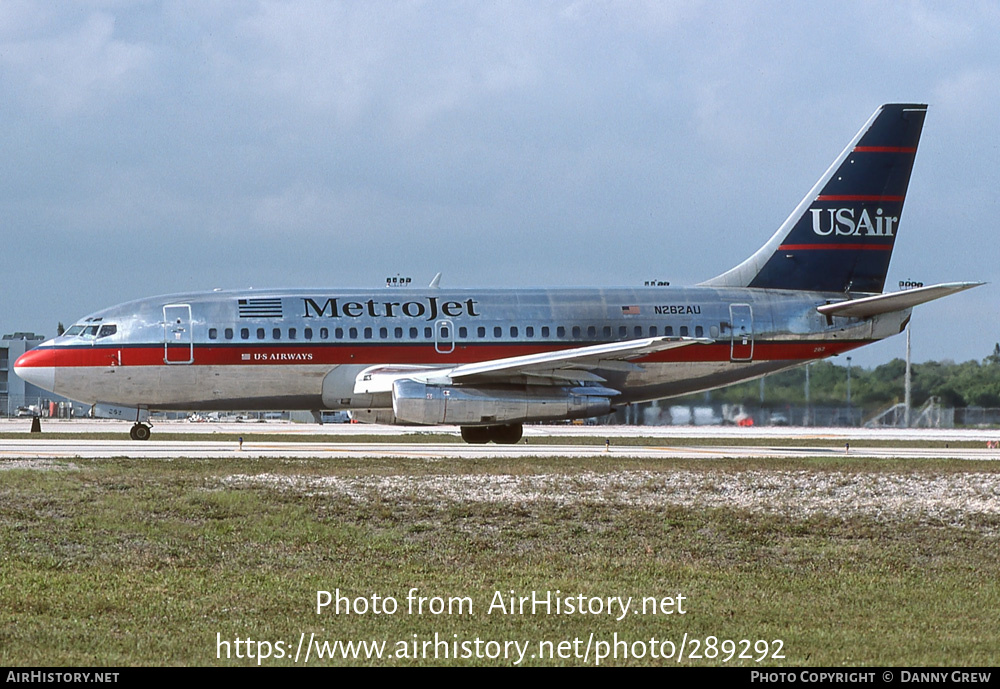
{"x": 840, "y": 236}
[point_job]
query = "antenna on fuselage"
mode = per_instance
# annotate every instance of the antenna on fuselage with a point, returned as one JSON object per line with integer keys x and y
{"x": 435, "y": 281}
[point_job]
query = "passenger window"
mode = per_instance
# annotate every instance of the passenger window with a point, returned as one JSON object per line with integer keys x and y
{"x": 398, "y": 332}
{"x": 481, "y": 331}
{"x": 276, "y": 334}
{"x": 212, "y": 333}
{"x": 413, "y": 333}
{"x": 308, "y": 333}
{"x": 684, "y": 331}
{"x": 427, "y": 333}
{"x": 368, "y": 333}
{"x": 607, "y": 331}
{"x": 669, "y": 331}
{"x": 513, "y": 331}
{"x": 229, "y": 333}
{"x": 529, "y": 331}
{"x": 291, "y": 333}
{"x": 244, "y": 333}
{"x": 463, "y": 332}
{"x": 352, "y": 333}
{"x": 383, "y": 333}
{"x": 497, "y": 331}
{"x": 260, "y": 333}
{"x": 652, "y": 331}
{"x": 699, "y": 331}
{"x": 576, "y": 331}
{"x": 622, "y": 331}
{"x": 324, "y": 333}
{"x": 591, "y": 331}
{"x": 638, "y": 331}
{"x": 561, "y": 331}
{"x": 545, "y": 331}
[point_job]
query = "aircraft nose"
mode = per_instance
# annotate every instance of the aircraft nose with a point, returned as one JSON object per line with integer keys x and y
{"x": 38, "y": 368}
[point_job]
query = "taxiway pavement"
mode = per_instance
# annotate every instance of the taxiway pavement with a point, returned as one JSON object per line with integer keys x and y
{"x": 410, "y": 443}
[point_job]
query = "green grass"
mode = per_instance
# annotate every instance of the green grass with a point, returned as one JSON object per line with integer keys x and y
{"x": 128, "y": 562}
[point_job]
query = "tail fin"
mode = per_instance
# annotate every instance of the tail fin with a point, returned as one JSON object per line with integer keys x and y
{"x": 840, "y": 236}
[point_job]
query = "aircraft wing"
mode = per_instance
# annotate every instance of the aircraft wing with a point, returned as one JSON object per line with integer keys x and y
{"x": 893, "y": 301}
{"x": 563, "y": 365}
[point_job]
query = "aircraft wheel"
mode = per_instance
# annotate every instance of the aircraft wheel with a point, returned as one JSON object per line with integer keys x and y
{"x": 476, "y": 435}
{"x": 508, "y": 434}
{"x": 140, "y": 431}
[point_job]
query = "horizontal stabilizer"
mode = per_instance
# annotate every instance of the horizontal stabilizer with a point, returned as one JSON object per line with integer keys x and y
{"x": 893, "y": 301}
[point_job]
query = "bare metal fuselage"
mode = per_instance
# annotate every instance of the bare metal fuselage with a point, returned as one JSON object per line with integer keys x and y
{"x": 304, "y": 349}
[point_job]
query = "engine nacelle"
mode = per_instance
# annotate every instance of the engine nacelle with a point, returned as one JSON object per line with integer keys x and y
{"x": 420, "y": 403}
{"x": 382, "y": 416}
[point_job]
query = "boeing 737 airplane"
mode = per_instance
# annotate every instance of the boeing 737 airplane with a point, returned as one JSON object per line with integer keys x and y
{"x": 491, "y": 360}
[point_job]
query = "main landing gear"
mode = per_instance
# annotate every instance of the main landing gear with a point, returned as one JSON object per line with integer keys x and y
{"x": 502, "y": 435}
{"x": 140, "y": 431}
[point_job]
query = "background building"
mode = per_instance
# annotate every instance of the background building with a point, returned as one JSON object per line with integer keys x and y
{"x": 19, "y": 398}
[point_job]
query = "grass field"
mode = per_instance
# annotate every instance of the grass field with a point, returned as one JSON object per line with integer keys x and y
{"x": 844, "y": 561}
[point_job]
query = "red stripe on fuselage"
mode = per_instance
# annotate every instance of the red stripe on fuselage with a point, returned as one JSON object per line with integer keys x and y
{"x": 336, "y": 354}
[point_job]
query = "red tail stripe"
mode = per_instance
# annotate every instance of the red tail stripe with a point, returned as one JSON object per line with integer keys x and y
{"x": 884, "y": 149}
{"x": 858, "y": 197}
{"x": 835, "y": 247}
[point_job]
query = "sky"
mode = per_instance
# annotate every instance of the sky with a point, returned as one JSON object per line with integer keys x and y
{"x": 157, "y": 147}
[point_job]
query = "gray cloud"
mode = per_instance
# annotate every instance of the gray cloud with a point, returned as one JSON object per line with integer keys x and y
{"x": 162, "y": 146}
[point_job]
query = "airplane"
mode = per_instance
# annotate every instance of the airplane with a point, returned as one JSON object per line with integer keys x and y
{"x": 490, "y": 360}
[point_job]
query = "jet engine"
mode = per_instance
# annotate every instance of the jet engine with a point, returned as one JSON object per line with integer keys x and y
{"x": 424, "y": 403}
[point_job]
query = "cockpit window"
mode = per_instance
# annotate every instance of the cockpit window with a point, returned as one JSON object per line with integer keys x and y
{"x": 96, "y": 331}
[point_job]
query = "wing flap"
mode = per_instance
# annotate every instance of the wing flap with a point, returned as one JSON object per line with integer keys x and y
{"x": 562, "y": 365}
{"x": 581, "y": 358}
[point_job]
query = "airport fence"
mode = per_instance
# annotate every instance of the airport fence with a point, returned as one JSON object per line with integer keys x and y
{"x": 927, "y": 416}
{"x": 647, "y": 414}
{"x": 15, "y": 406}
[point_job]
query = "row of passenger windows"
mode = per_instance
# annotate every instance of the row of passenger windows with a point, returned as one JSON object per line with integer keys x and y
{"x": 414, "y": 333}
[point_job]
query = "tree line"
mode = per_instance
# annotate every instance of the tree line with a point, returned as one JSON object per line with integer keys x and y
{"x": 968, "y": 384}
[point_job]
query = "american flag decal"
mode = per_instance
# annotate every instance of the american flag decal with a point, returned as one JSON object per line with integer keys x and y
{"x": 630, "y": 310}
{"x": 260, "y": 308}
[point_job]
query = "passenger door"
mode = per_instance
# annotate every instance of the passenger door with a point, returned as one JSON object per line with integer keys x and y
{"x": 741, "y": 318}
{"x": 178, "y": 340}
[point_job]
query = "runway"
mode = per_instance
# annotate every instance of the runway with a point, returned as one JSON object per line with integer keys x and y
{"x": 590, "y": 441}
{"x": 103, "y": 449}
